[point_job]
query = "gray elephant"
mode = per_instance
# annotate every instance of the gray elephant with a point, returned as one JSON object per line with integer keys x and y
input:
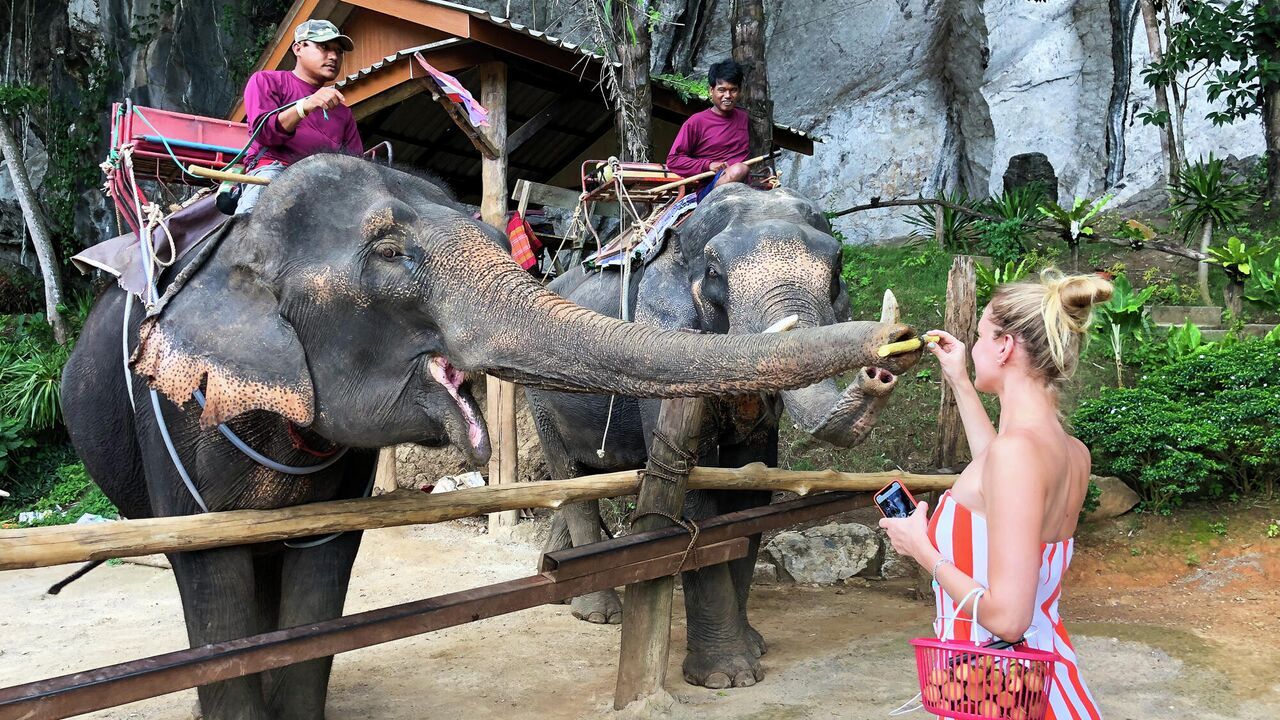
{"x": 344, "y": 313}
{"x": 744, "y": 260}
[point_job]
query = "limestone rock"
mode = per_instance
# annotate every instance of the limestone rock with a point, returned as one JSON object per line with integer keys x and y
{"x": 894, "y": 566}
{"x": 766, "y": 573}
{"x": 1116, "y": 499}
{"x": 1031, "y": 169}
{"x": 823, "y": 554}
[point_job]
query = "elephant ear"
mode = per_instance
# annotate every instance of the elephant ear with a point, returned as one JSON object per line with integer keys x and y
{"x": 222, "y": 326}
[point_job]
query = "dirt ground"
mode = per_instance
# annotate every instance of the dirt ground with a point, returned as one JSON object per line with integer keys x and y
{"x": 1159, "y": 637}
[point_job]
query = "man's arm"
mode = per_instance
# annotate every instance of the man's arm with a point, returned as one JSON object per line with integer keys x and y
{"x": 680, "y": 159}
{"x": 259, "y": 99}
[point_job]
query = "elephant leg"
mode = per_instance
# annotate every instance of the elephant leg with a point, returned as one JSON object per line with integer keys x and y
{"x": 218, "y": 600}
{"x": 762, "y": 447}
{"x": 719, "y": 652}
{"x": 604, "y": 606}
{"x": 313, "y": 588}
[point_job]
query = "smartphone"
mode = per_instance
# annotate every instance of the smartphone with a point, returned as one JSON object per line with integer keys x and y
{"x": 895, "y": 501}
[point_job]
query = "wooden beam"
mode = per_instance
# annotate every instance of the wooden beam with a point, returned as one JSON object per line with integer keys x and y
{"x": 558, "y": 197}
{"x": 646, "y": 611}
{"x": 551, "y": 111}
{"x": 455, "y": 22}
{"x": 42, "y": 546}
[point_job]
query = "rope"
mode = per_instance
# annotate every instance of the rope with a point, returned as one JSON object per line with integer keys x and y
{"x": 689, "y": 526}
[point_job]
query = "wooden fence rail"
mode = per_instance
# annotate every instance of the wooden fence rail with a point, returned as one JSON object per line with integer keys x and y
{"x": 40, "y": 547}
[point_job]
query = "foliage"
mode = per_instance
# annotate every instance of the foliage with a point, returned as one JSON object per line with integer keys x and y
{"x": 1264, "y": 286}
{"x": 1136, "y": 232}
{"x": 988, "y": 279}
{"x": 70, "y": 495}
{"x": 1202, "y": 427}
{"x": 1092, "y": 498}
{"x": 1235, "y": 258}
{"x": 1205, "y": 192}
{"x": 958, "y": 231}
{"x": 686, "y": 86}
{"x": 258, "y": 20}
{"x": 16, "y": 98}
{"x": 1020, "y": 203}
{"x": 30, "y": 376}
{"x": 12, "y": 440}
{"x": 1005, "y": 241}
{"x": 1073, "y": 222}
{"x": 1125, "y": 312}
{"x": 1232, "y": 44}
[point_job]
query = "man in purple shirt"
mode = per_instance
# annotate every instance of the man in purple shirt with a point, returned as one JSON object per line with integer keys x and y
{"x": 315, "y": 118}
{"x": 717, "y": 138}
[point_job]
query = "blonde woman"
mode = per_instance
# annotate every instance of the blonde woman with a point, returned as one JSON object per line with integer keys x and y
{"x": 1007, "y": 524}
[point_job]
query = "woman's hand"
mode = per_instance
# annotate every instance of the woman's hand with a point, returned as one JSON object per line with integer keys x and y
{"x": 910, "y": 535}
{"x": 952, "y": 356}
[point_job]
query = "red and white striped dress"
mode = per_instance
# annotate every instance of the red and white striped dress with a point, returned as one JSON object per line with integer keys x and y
{"x": 961, "y": 536}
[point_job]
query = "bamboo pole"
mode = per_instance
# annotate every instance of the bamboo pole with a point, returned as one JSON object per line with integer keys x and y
{"x": 703, "y": 176}
{"x": 212, "y": 174}
{"x": 44, "y": 546}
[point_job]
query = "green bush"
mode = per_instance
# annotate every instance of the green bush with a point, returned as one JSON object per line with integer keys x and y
{"x": 70, "y": 495}
{"x": 1204, "y": 426}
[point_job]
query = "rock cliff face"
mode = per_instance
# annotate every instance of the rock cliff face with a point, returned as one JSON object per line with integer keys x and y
{"x": 911, "y": 96}
{"x": 921, "y": 96}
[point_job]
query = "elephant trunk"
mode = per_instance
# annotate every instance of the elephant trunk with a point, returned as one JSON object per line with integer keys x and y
{"x": 525, "y": 333}
{"x": 842, "y": 418}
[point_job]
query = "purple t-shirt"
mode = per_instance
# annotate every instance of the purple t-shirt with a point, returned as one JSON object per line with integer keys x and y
{"x": 268, "y": 90}
{"x": 709, "y": 137}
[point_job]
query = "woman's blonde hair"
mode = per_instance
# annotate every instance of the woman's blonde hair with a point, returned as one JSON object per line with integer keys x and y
{"x": 1051, "y": 316}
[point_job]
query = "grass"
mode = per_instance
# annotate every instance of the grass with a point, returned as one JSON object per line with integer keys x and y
{"x": 67, "y": 494}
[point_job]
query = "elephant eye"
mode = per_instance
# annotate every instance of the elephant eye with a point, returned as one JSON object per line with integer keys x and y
{"x": 713, "y": 271}
{"x": 388, "y": 251}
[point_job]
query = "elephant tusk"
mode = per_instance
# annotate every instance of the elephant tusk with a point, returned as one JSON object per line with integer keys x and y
{"x": 784, "y": 324}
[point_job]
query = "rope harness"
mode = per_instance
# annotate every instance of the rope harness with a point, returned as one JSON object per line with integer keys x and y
{"x": 672, "y": 473}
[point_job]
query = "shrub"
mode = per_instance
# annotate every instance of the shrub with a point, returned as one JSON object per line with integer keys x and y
{"x": 1201, "y": 427}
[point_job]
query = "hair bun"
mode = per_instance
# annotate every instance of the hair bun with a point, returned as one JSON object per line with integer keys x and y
{"x": 1075, "y": 295}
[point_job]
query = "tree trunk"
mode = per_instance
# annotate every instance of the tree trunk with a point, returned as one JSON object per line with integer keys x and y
{"x": 747, "y": 22}
{"x": 629, "y": 23}
{"x": 1168, "y": 141}
{"x": 1231, "y": 295}
{"x": 961, "y": 320}
{"x": 1202, "y": 273}
{"x": 38, "y": 228}
{"x": 1271, "y": 128}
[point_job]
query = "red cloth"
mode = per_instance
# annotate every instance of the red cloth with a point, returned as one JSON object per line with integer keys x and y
{"x": 268, "y": 90}
{"x": 524, "y": 244}
{"x": 709, "y": 137}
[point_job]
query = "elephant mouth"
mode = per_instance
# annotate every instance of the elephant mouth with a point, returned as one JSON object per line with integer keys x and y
{"x": 453, "y": 381}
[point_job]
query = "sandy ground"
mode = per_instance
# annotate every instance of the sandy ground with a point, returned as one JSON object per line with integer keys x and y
{"x": 835, "y": 652}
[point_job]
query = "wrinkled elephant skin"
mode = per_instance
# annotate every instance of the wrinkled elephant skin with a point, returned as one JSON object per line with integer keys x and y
{"x": 346, "y": 311}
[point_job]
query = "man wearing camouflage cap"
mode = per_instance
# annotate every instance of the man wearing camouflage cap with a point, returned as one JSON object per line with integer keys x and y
{"x": 314, "y": 118}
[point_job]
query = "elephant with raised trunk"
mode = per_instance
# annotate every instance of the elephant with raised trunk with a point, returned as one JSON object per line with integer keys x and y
{"x": 346, "y": 312}
{"x": 743, "y": 261}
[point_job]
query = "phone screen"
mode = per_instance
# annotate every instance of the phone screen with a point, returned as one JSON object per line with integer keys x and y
{"x": 894, "y": 501}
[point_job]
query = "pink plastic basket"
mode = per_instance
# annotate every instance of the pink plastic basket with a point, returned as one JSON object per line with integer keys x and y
{"x": 963, "y": 680}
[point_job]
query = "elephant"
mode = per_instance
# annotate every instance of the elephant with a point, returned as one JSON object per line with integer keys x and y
{"x": 742, "y": 261}
{"x": 347, "y": 313}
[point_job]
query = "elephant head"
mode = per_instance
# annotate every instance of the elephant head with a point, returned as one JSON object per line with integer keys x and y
{"x": 356, "y": 298}
{"x": 752, "y": 258}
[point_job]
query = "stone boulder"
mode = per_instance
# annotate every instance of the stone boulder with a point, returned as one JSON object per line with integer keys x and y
{"x": 823, "y": 554}
{"x": 1116, "y": 499}
{"x": 1031, "y": 169}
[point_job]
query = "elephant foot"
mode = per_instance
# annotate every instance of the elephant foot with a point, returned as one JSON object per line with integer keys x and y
{"x": 723, "y": 670}
{"x": 755, "y": 641}
{"x": 602, "y": 608}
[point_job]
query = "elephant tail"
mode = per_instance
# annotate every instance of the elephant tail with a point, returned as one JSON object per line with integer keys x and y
{"x": 81, "y": 572}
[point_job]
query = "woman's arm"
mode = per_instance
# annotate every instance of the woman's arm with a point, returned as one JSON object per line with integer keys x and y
{"x": 952, "y": 357}
{"x": 1013, "y": 485}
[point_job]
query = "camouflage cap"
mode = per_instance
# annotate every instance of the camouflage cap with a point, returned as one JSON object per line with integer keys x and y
{"x": 322, "y": 31}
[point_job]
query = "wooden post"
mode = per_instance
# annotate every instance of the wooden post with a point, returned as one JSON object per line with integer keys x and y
{"x": 384, "y": 478}
{"x": 961, "y": 320}
{"x": 939, "y": 228}
{"x": 501, "y": 396}
{"x": 646, "y": 608}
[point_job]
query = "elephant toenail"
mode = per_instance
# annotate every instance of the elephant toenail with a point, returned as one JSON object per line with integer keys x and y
{"x": 717, "y": 681}
{"x": 744, "y": 679}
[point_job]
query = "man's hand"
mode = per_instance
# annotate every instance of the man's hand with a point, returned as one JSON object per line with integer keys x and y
{"x": 716, "y": 166}
{"x": 324, "y": 99}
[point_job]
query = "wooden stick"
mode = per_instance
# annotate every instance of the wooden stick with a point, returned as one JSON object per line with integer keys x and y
{"x": 212, "y": 174}
{"x": 43, "y": 546}
{"x": 705, "y": 175}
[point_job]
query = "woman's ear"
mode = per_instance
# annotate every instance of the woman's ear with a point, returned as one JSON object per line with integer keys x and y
{"x": 1007, "y": 344}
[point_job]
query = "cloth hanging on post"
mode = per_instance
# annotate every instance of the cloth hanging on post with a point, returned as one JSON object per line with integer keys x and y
{"x": 525, "y": 246}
